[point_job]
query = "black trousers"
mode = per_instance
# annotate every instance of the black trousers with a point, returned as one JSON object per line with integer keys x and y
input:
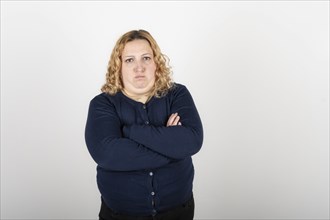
{"x": 182, "y": 212}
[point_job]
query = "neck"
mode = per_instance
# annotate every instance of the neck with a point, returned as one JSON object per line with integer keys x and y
{"x": 138, "y": 97}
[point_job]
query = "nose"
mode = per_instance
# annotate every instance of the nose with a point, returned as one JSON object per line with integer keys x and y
{"x": 139, "y": 67}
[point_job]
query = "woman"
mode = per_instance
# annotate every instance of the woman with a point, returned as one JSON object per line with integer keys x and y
{"x": 142, "y": 131}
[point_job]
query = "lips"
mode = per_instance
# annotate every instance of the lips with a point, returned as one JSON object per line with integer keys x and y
{"x": 139, "y": 77}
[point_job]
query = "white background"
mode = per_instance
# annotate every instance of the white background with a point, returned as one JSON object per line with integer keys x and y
{"x": 258, "y": 72}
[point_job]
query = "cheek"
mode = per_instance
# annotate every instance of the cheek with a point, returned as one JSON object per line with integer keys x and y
{"x": 152, "y": 71}
{"x": 124, "y": 76}
{"x": 125, "y": 72}
{"x": 152, "y": 74}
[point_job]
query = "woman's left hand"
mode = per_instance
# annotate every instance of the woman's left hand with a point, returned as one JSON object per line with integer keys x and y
{"x": 173, "y": 120}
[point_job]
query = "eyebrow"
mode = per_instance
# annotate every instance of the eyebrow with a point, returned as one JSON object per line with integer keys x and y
{"x": 146, "y": 54}
{"x": 141, "y": 55}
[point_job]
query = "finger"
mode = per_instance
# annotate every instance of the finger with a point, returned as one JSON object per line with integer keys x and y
{"x": 179, "y": 123}
{"x": 176, "y": 120}
{"x": 171, "y": 119}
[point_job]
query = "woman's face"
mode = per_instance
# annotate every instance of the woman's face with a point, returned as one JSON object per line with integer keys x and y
{"x": 138, "y": 67}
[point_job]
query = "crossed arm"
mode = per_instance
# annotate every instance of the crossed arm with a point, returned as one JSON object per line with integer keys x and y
{"x": 139, "y": 147}
{"x": 107, "y": 146}
{"x": 182, "y": 136}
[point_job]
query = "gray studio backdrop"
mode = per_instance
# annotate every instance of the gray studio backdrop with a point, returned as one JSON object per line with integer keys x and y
{"x": 258, "y": 72}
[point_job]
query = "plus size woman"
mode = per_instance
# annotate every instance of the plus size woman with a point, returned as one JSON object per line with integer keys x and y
{"x": 142, "y": 131}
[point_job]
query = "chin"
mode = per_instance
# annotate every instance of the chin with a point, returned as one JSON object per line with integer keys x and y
{"x": 142, "y": 86}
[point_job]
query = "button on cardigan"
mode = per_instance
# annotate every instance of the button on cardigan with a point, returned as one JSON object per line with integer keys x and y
{"x": 143, "y": 166}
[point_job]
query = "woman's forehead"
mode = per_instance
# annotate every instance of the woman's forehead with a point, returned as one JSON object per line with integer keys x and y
{"x": 139, "y": 46}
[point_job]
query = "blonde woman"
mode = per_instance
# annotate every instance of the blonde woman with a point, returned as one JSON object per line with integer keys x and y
{"x": 142, "y": 131}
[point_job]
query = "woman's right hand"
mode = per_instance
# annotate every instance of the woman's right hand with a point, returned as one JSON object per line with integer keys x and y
{"x": 173, "y": 120}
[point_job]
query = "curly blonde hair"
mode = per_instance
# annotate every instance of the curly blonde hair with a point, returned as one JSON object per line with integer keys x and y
{"x": 163, "y": 79}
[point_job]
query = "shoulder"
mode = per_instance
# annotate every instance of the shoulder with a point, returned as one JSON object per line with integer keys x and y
{"x": 103, "y": 99}
{"x": 100, "y": 97}
{"x": 178, "y": 92}
{"x": 178, "y": 89}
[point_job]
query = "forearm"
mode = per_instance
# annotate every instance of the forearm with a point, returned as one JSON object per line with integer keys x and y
{"x": 121, "y": 154}
{"x": 109, "y": 148}
{"x": 177, "y": 142}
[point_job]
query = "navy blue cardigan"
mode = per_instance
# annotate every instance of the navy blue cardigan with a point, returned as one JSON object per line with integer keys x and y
{"x": 143, "y": 167}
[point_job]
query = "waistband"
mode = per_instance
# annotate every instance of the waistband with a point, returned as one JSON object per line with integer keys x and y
{"x": 106, "y": 211}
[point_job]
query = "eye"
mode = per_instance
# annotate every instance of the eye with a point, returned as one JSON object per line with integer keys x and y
{"x": 146, "y": 58}
{"x": 129, "y": 60}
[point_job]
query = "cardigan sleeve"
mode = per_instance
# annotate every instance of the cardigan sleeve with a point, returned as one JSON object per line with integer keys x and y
{"x": 176, "y": 142}
{"x": 108, "y": 148}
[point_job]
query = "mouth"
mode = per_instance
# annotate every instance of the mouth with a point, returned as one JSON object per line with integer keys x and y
{"x": 139, "y": 77}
